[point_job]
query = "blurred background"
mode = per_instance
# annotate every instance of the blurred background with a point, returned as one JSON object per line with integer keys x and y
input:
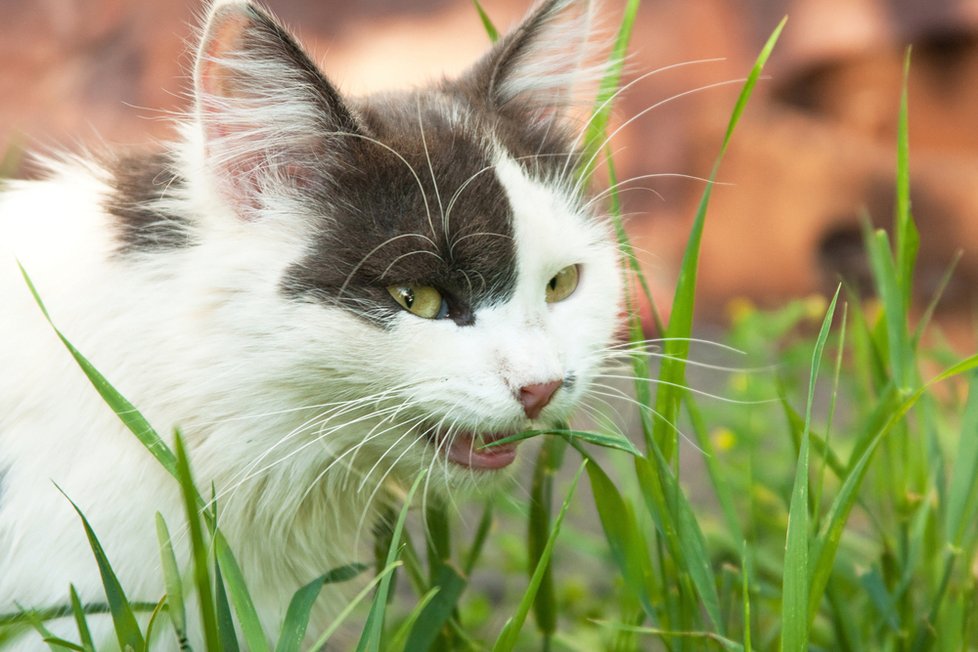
{"x": 813, "y": 157}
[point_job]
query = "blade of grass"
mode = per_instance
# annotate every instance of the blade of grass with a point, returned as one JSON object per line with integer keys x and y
{"x": 61, "y": 644}
{"x": 479, "y": 540}
{"x": 906, "y": 236}
{"x": 548, "y": 463}
{"x": 935, "y": 299}
{"x": 894, "y": 309}
{"x": 721, "y": 485}
{"x": 511, "y": 630}
{"x": 745, "y": 594}
{"x": 225, "y": 624}
{"x": 676, "y": 347}
{"x": 373, "y": 628}
{"x": 300, "y": 606}
{"x": 161, "y": 606}
{"x": 65, "y": 611}
{"x": 413, "y": 565}
{"x": 125, "y": 410}
{"x": 56, "y": 644}
{"x": 438, "y": 538}
{"x": 796, "y": 424}
{"x": 126, "y": 628}
{"x": 348, "y": 609}
{"x": 827, "y": 455}
{"x": 605, "y": 440}
{"x": 795, "y": 589}
{"x": 487, "y": 24}
{"x": 630, "y": 263}
{"x": 665, "y": 634}
{"x": 962, "y": 499}
{"x": 628, "y": 548}
{"x": 429, "y": 621}
{"x": 251, "y": 629}
{"x": 84, "y": 633}
{"x": 669, "y": 507}
{"x": 597, "y": 128}
{"x": 399, "y": 640}
{"x": 171, "y": 579}
{"x": 198, "y": 548}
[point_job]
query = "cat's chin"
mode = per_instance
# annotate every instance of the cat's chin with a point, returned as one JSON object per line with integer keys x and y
{"x": 466, "y": 449}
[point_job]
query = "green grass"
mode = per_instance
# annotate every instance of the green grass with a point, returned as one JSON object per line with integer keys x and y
{"x": 837, "y": 508}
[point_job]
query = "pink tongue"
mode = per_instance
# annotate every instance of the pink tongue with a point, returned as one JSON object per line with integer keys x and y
{"x": 465, "y": 451}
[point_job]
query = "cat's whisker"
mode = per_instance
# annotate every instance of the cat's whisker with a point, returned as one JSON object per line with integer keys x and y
{"x": 622, "y": 89}
{"x": 390, "y": 468}
{"x": 598, "y": 150}
{"x": 617, "y": 187}
{"x": 453, "y": 432}
{"x": 615, "y": 393}
{"x": 383, "y": 244}
{"x": 356, "y": 449}
{"x": 380, "y": 458}
{"x": 601, "y": 417}
{"x": 625, "y": 217}
{"x": 442, "y": 440}
{"x": 662, "y": 340}
{"x": 414, "y": 173}
{"x": 693, "y": 390}
{"x": 411, "y": 253}
{"x": 434, "y": 180}
{"x": 249, "y": 473}
{"x": 455, "y": 196}
{"x": 340, "y": 408}
{"x": 373, "y": 434}
{"x": 348, "y": 466}
{"x": 272, "y": 413}
{"x": 628, "y": 355}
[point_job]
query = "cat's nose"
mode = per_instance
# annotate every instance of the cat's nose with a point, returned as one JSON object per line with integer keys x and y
{"x": 535, "y": 397}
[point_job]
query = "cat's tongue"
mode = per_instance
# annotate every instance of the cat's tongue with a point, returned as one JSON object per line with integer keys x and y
{"x": 466, "y": 450}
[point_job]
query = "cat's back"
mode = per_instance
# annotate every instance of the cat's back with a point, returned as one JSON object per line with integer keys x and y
{"x": 56, "y": 229}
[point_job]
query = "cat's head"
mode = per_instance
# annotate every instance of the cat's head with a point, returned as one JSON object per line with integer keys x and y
{"x": 454, "y": 283}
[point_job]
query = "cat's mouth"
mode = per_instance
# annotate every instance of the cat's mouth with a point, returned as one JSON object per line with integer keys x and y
{"x": 467, "y": 449}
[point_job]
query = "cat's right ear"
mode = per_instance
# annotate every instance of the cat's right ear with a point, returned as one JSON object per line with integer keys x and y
{"x": 544, "y": 66}
{"x": 264, "y": 109}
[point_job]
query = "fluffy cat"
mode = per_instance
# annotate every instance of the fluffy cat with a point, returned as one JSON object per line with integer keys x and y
{"x": 326, "y": 294}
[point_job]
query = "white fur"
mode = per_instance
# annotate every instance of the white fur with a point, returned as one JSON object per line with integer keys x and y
{"x": 269, "y": 393}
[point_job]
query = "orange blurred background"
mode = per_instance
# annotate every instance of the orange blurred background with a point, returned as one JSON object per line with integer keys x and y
{"x": 814, "y": 154}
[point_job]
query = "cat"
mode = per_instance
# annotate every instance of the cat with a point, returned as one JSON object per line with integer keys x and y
{"x": 328, "y": 295}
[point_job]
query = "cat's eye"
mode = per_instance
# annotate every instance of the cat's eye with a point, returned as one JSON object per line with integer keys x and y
{"x": 421, "y": 300}
{"x": 563, "y": 284}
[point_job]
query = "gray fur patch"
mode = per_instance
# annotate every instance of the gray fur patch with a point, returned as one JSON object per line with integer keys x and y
{"x": 138, "y": 184}
{"x": 415, "y": 202}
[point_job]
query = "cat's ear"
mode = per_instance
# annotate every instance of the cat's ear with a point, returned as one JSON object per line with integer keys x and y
{"x": 264, "y": 109}
{"x": 543, "y": 66}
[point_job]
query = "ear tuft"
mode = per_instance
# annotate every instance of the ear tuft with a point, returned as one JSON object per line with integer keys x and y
{"x": 264, "y": 108}
{"x": 547, "y": 64}
{"x": 227, "y": 25}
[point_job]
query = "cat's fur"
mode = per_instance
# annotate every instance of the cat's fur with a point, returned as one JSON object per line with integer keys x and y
{"x": 234, "y": 285}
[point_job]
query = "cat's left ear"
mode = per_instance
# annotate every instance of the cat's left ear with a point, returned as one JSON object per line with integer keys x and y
{"x": 542, "y": 67}
{"x": 266, "y": 112}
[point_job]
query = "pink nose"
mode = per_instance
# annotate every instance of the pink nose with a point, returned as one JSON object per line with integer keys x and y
{"x": 535, "y": 397}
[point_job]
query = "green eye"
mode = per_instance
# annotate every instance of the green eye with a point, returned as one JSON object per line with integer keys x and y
{"x": 563, "y": 284}
{"x": 421, "y": 300}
